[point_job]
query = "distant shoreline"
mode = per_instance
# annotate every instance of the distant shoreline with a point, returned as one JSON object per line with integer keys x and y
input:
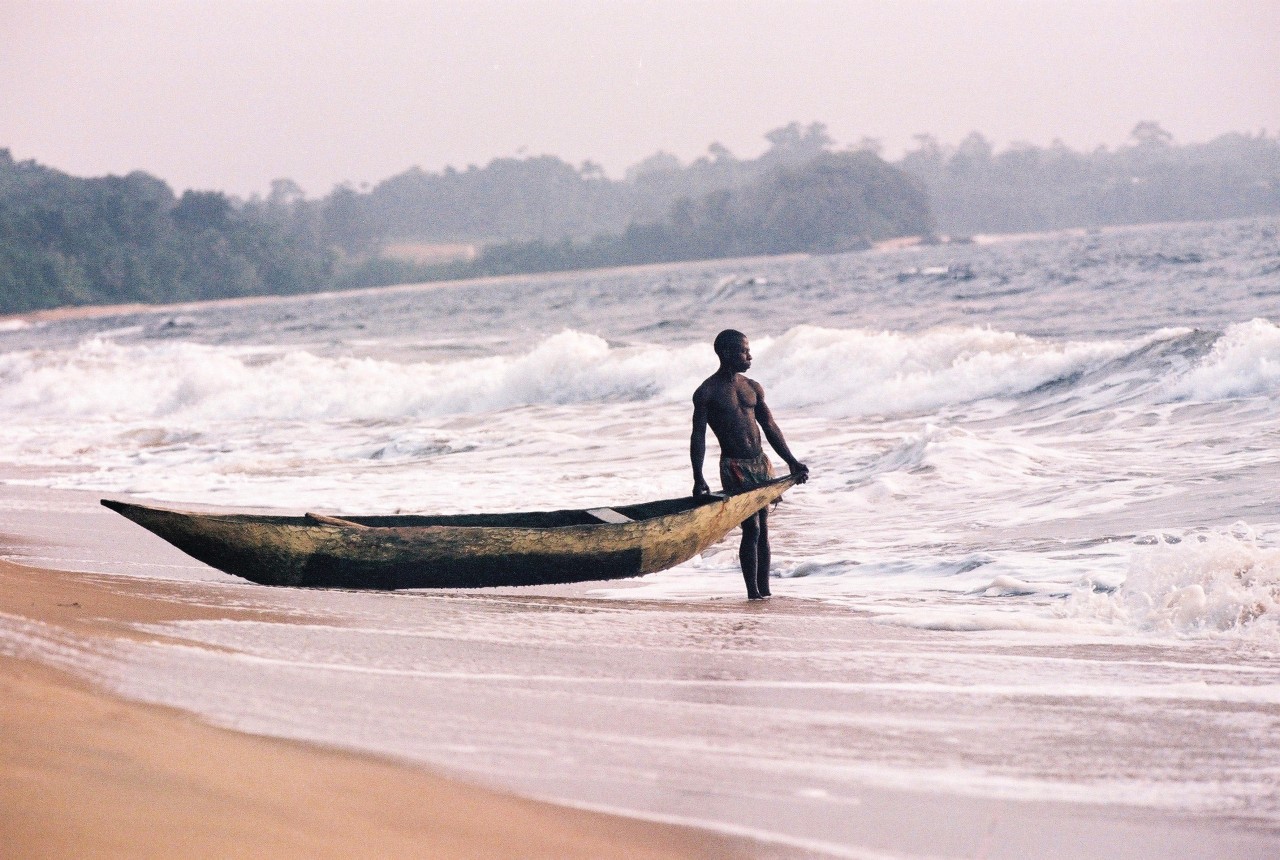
{"x": 906, "y": 243}
{"x": 69, "y": 312}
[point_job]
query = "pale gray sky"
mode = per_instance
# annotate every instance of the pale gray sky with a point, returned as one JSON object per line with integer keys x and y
{"x": 231, "y": 95}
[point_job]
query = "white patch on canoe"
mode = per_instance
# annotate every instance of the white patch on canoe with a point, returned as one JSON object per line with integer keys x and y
{"x": 609, "y": 515}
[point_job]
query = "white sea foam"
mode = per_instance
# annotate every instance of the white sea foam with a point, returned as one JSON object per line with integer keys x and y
{"x": 1005, "y": 586}
{"x": 1206, "y": 583}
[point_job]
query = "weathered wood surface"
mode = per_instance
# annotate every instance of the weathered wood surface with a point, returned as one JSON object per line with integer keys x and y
{"x": 457, "y": 551}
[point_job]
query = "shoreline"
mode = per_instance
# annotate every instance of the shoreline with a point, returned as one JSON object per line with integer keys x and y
{"x": 84, "y": 772}
{"x": 73, "y": 312}
{"x": 905, "y": 243}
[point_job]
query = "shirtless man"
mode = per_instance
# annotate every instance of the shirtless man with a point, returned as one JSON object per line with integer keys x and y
{"x": 734, "y": 407}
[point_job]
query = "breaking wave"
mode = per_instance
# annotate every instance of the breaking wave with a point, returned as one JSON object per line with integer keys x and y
{"x": 1244, "y": 362}
{"x": 834, "y": 372}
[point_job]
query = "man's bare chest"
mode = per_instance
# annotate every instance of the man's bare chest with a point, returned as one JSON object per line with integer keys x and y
{"x": 738, "y": 399}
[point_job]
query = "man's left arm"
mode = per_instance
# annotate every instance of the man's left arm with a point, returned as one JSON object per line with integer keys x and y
{"x": 774, "y": 435}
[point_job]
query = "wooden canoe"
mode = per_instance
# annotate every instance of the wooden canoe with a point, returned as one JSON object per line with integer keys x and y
{"x": 458, "y": 550}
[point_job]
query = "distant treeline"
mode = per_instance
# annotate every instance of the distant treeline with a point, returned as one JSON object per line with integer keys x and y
{"x": 541, "y": 198}
{"x": 71, "y": 241}
{"x": 973, "y": 189}
{"x": 66, "y": 240}
{"x": 832, "y": 202}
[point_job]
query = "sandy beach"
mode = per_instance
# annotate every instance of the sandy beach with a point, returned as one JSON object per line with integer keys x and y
{"x": 87, "y": 774}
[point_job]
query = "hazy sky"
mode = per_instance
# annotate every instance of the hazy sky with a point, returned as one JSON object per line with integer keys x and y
{"x": 231, "y": 95}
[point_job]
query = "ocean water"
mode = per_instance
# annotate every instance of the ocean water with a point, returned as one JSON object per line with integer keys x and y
{"x": 1039, "y": 556}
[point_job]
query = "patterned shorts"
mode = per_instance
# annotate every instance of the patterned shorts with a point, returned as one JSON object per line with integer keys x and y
{"x": 737, "y": 476}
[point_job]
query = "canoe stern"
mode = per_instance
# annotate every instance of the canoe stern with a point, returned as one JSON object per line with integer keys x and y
{"x": 265, "y": 552}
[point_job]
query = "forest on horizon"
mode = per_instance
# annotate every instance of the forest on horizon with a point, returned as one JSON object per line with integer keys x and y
{"x": 68, "y": 240}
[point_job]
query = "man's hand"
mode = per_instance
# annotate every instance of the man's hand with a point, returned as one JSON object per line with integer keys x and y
{"x": 700, "y": 487}
{"x": 800, "y": 470}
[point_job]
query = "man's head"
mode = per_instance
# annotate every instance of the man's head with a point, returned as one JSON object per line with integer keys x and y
{"x": 734, "y": 351}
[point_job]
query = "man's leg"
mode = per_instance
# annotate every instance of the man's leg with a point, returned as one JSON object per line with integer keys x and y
{"x": 762, "y": 553}
{"x": 747, "y": 555}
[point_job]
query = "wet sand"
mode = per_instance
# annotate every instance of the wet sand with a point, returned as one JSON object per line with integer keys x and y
{"x": 84, "y": 773}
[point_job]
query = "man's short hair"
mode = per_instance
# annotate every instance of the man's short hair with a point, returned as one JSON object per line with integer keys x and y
{"x": 727, "y": 339}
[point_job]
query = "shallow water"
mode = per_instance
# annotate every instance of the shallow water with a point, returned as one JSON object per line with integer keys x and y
{"x": 1039, "y": 556}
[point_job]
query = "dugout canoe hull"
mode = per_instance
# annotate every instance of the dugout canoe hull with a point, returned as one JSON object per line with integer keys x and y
{"x": 454, "y": 551}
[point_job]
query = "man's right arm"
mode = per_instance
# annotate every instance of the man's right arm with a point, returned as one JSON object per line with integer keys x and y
{"x": 698, "y": 442}
{"x": 774, "y": 435}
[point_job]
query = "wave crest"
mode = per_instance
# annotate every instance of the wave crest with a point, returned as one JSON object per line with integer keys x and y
{"x": 1244, "y": 362}
{"x": 845, "y": 373}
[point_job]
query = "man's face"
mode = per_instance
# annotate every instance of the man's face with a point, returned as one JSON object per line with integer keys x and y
{"x": 738, "y": 356}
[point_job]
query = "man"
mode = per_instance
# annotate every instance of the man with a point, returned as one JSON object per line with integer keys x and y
{"x": 734, "y": 407}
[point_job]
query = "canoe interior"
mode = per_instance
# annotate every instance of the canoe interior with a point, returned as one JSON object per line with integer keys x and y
{"x": 536, "y": 519}
{"x": 519, "y": 519}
